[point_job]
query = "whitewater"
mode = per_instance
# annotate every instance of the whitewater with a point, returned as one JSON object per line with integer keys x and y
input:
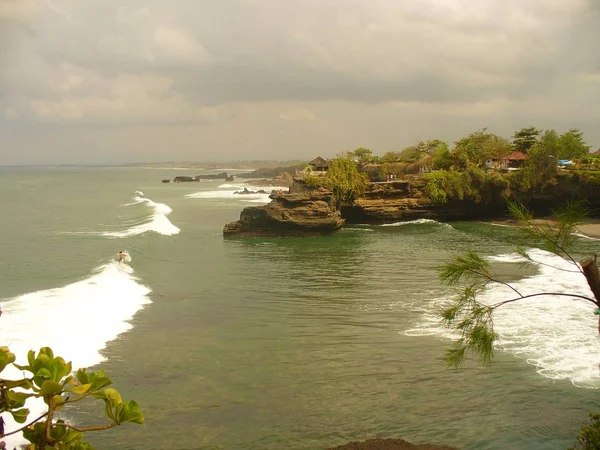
{"x": 556, "y": 334}
{"x": 228, "y": 191}
{"x": 76, "y": 320}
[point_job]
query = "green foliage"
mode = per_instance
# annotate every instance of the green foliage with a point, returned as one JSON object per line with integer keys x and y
{"x": 435, "y": 187}
{"x": 572, "y": 145}
{"x": 525, "y": 138}
{"x": 442, "y": 157}
{"x": 589, "y": 435}
{"x": 411, "y": 154}
{"x": 314, "y": 181}
{"x": 344, "y": 179}
{"x": 471, "y": 184}
{"x": 539, "y": 171}
{"x": 477, "y": 147}
{"x": 363, "y": 154}
{"x": 50, "y": 379}
{"x": 390, "y": 157}
{"x": 472, "y": 319}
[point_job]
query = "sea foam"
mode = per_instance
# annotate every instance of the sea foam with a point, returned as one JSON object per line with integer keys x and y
{"x": 227, "y": 191}
{"x": 76, "y": 321}
{"x": 558, "y": 335}
{"x": 158, "y": 221}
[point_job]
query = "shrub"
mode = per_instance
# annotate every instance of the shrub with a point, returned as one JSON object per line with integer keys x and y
{"x": 50, "y": 379}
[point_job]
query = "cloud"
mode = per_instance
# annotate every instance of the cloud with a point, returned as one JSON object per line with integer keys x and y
{"x": 238, "y": 67}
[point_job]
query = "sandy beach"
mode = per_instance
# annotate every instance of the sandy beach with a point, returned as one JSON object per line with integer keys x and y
{"x": 590, "y": 229}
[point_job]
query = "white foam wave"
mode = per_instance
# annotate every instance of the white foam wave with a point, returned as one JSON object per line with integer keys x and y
{"x": 76, "y": 321}
{"x": 558, "y": 335}
{"x": 229, "y": 194}
{"x": 584, "y": 236}
{"x": 158, "y": 222}
{"x": 409, "y": 222}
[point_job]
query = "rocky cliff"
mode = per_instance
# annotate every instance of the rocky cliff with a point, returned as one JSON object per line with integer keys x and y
{"x": 305, "y": 212}
{"x": 289, "y": 214}
{"x": 404, "y": 200}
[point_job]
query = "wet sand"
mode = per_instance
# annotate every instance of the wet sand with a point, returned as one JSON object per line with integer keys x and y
{"x": 590, "y": 228}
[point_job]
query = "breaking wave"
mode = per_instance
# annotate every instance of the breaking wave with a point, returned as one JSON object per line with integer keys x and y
{"x": 76, "y": 321}
{"x": 157, "y": 222}
{"x": 557, "y": 335}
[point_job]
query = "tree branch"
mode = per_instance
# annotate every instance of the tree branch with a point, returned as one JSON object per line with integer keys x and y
{"x": 86, "y": 429}
{"x": 23, "y": 427}
{"x": 541, "y": 294}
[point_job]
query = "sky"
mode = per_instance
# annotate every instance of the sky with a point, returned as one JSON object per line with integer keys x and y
{"x": 113, "y": 82}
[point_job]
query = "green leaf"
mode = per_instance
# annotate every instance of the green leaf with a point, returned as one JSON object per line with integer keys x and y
{"x": 50, "y": 387}
{"x": 130, "y": 412}
{"x": 16, "y": 399}
{"x": 58, "y": 401}
{"x": 11, "y": 384}
{"x": 6, "y": 358}
{"x": 20, "y": 415}
{"x": 80, "y": 390}
{"x": 43, "y": 373}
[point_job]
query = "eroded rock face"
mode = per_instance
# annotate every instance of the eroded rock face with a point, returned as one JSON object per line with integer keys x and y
{"x": 298, "y": 214}
{"x": 404, "y": 200}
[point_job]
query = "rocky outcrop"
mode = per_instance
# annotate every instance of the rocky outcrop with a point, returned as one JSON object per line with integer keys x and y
{"x": 404, "y": 200}
{"x": 214, "y": 176}
{"x": 245, "y": 191}
{"x": 297, "y": 214}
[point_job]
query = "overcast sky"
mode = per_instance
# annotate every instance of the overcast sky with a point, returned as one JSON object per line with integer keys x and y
{"x": 107, "y": 81}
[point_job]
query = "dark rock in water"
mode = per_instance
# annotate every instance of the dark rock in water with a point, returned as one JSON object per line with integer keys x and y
{"x": 166, "y": 181}
{"x": 312, "y": 214}
{"x": 389, "y": 444}
{"x": 246, "y": 191}
{"x": 182, "y": 179}
{"x": 213, "y": 176}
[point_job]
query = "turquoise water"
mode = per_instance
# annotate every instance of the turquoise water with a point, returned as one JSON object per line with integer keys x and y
{"x": 279, "y": 343}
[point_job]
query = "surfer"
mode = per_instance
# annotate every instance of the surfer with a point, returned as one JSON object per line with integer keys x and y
{"x": 121, "y": 256}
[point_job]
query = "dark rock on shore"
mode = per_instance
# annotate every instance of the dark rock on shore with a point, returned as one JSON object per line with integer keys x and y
{"x": 300, "y": 214}
{"x": 389, "y": 444}
{"x": 246, "y": 191}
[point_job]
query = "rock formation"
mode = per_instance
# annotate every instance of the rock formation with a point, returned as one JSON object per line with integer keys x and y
{"x": 404, "y": 200}
{"x": 296, "y": 214}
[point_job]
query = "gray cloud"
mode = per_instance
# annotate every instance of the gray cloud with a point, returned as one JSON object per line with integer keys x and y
{"x": 275, "y": 74}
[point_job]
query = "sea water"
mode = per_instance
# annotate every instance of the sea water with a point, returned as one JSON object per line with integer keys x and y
{"x": 272, "y": 343}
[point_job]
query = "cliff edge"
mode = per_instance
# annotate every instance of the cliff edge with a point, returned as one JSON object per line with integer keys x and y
{"x": 289, "y": 214}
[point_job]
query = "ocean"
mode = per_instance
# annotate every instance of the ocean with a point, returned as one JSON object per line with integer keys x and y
{"x": 299, "y": 343}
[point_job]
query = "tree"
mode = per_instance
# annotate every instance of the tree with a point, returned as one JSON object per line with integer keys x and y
{"x": 50, "y": 379}
{"x": 472, "y": 319}
{"x": 477, "y": 147}
{"x": 390, "y": 157}
{"x": 344, "y": 179}
{"x": 572, "y": 145}
{"x": 589, "y": 435}
{"x": 442, "y": 157}
{"x": 363, "y": 154}
{"x": 411, "y": 154}
{"x": 525, "y": 138}
{"x": 540, "y": 170}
